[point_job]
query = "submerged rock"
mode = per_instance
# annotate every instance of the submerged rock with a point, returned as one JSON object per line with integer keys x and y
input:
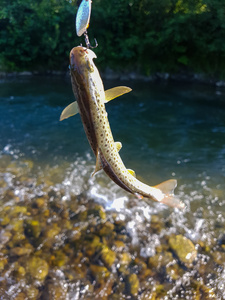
{"x": 5, "y": 221}
{"x": 90, "y": 250}
{"x": 37, "y": 268}
{"x": 32, "y": 293}
{"x": 108, "y": 256}
{"x": 60, "y": 258}
{"x": 19, "y": 271}
{"x": 106, "y": 229}
{"x": 33, "y": 228}
{"x": 17, "y": 225}
{"x": 92, "y": 244}
{"x": 3, "y": 262}
{"x": 124, "y": 261}
{"x": 52, "y": 231}
{"x": 205, "y": 292}
{"x": 100, "y": 273}
{"x": 98, "y": 212}
{"x": 5, "y": 237}
{"x": 132, "y": 284}
{"x": 219, "y": 257}
{"x": 174, "y": 271}
{"x": 183, "y": 248}
{"x": 41, "y": 202}
{"x": 160, "y": 260}
{"x": 55, "y": 291}
{"x": 20, "y": 251}
{"x": 20, "y": 296}
{"x": 18, "y": 210}
{"x": 156, "y": 224}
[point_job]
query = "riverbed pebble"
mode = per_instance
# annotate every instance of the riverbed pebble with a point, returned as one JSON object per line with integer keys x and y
{"x": 183, "y": 248}
{"x": 55, "y": 249}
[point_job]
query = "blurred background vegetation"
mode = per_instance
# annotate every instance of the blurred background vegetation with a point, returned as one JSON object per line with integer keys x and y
{"x": 134, "y": 35}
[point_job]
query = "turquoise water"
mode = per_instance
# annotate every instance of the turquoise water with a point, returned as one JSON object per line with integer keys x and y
{"x": 168, "y": 130}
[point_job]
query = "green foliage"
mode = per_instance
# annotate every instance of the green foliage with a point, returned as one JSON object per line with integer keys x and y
{"x": 144, "y": 35}
{"x": 34, "y": 34}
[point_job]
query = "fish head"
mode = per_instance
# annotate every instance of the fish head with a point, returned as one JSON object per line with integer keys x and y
{"x": 81, "y": 59}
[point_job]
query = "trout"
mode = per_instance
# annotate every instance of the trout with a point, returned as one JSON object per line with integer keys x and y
{"x": 91, "y": 98}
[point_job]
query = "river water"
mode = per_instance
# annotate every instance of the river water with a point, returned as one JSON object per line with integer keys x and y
{"x": 168, "y": 130}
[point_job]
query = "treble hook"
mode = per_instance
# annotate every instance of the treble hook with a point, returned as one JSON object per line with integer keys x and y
{"x": 88, "y": 44}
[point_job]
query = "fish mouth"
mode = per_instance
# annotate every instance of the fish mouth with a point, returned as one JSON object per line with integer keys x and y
{"x": 79, "y": 56}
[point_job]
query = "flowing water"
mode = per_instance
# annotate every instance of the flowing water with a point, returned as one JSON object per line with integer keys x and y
{"x": 168, "y": 130}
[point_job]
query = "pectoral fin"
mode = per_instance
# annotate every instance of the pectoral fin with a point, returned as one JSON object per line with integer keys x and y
{"x": 132, "y": 172}
{"x": 116, "y": 92}
{"x": 69, "y": 111}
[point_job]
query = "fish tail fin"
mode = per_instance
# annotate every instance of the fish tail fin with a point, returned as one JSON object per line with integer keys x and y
{"x": 167, "y": 188}
{"x": 173, "y": 201}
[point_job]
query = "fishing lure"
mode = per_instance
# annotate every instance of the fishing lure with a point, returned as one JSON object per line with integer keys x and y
{"x": 82, "y": 21}
{"x": 83, "y": 17}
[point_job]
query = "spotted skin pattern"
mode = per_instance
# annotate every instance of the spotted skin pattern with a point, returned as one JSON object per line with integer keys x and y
{"x": 89, "y": 93}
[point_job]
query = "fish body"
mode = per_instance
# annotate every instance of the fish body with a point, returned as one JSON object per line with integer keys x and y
{"x": 83, "y": 17}
{"x": 91, "y": 98}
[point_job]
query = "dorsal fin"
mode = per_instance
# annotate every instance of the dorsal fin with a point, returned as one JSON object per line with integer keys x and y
{"x": 116, "y": 92}
{"x": 69, "y": 111}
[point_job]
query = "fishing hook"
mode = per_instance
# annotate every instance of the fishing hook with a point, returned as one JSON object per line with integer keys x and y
{"x": 88, "y": 44}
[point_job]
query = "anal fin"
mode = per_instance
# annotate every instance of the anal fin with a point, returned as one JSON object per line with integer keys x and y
{"x": 98, "y": 165}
